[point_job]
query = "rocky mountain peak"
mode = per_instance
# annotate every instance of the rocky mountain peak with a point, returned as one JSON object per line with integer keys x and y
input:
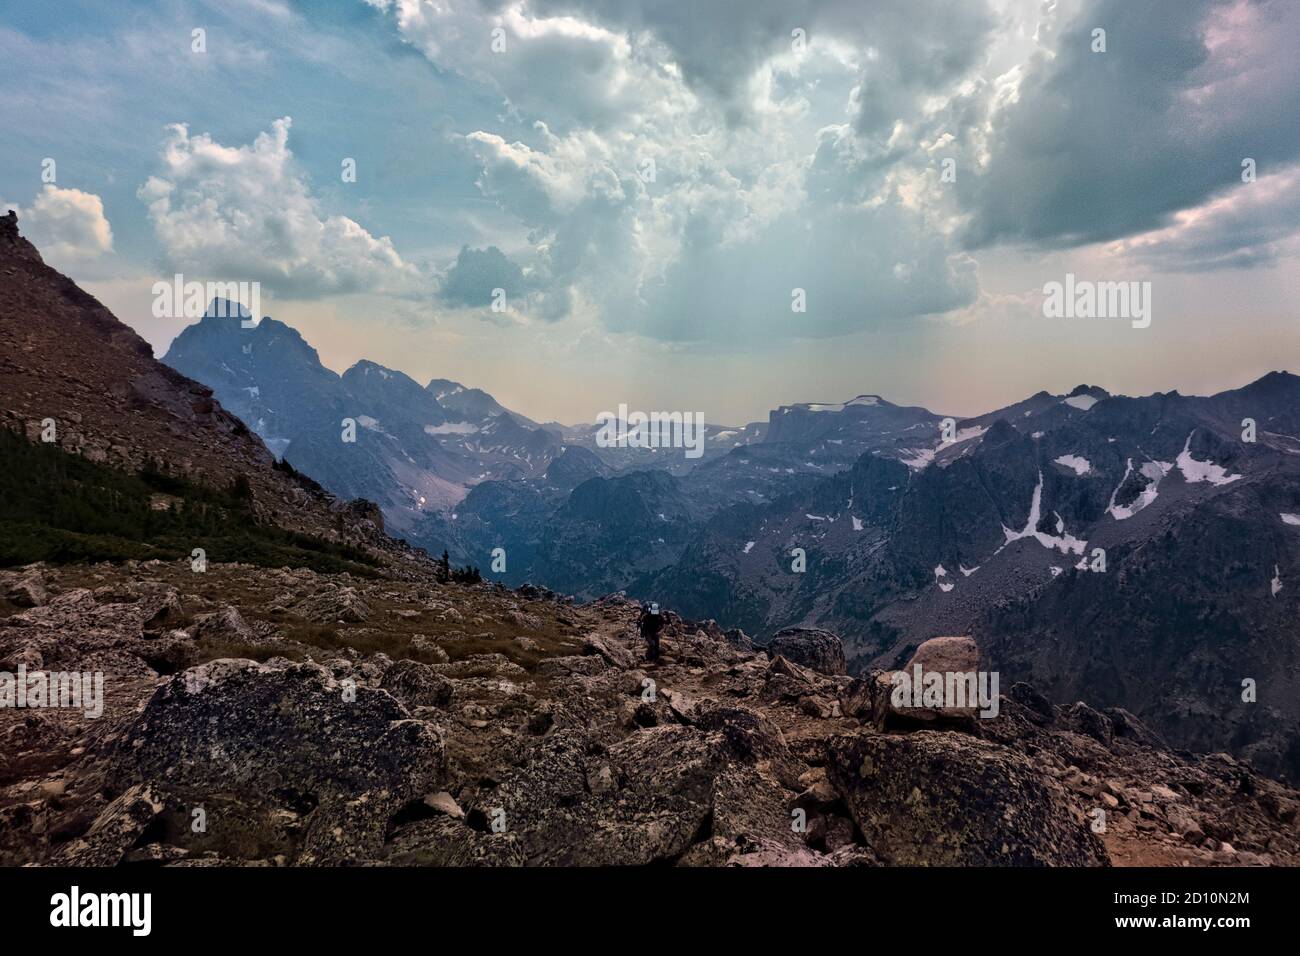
{"x": 12, "y": 240}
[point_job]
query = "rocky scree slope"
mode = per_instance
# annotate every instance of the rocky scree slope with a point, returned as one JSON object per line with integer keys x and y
{"x": 325, "y": 719}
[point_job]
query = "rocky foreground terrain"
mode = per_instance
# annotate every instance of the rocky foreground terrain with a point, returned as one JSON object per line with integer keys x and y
{"x": 278, "y": 717}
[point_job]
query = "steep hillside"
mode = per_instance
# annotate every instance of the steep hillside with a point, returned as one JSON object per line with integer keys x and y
{"x": 71, "y": 371}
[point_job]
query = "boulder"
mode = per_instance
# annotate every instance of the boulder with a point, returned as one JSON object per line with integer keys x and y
{"x": 653, "y": 796}
{"x": 307, "y": 765}
{"x": 417, "y": 685}
{"x": 29, "y": 591}
{"x": 941, "y": 655}
{"x": 443, "y": 802}
{"x": 613, "y": 653}
{"x": 1088, "y": 721}
{"x": 956, "y": 654}
{"x": 754, "y": 739}
{"x": 334, "y": 603}
{"x": 226, "y": 624}
{"x": 115, "y": 830}
{"x": 809, "y": 647}
{"x": 942, "y": 799}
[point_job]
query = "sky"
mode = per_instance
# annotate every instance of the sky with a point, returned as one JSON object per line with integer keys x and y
{"x": 717, "y": 206}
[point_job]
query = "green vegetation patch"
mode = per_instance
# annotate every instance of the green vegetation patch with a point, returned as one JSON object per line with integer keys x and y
{"x": 60, "y": 508}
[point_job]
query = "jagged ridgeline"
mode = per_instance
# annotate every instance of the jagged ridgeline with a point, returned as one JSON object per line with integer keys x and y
{"x": 59, "y": 508}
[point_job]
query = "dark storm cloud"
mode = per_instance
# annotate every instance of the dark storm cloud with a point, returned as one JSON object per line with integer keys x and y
{"x": 1104, "y": 145}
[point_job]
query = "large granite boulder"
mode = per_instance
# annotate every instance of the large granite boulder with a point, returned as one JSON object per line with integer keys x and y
{"x": 283, "y": 759}
{"x": 942, "y": 799}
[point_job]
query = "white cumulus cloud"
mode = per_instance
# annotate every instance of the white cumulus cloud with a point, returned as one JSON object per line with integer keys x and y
{"x": 246, "y": 213}
{"x": 66, "y": 225}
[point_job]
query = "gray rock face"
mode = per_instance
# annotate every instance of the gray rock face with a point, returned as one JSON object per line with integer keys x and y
{"x": 811, "y": 647}
{"x": 660, "y": 795}
{"x": 939, "y": 799}
{"x": 281, "y": 759}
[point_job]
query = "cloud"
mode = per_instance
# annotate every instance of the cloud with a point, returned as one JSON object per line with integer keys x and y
{"x": 903, "y": 48}
{"x": 773, "y": 168}
{"x": 1096, "y": 146}
{"x": 687, "y": 190}
{"x": 66, "y": 225}
{"x": 856, "y": 266}
{"x": 246, "y": 213}
{"x": 1255, "y": 224}
{"x": 477, "y": 273}
{"x": 573, "y": 71}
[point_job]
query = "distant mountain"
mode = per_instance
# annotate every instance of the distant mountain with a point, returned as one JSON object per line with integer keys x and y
{"x": 419, "y": 450}
{"x": 997, "y": 534}
{"x": 991, "y": 527}
{"x": 416, "y": 449}
{"x": 1142, "y": 552}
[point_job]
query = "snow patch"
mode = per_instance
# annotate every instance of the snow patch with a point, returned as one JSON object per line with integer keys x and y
{"x": 1194, "y": 471}
{"x": 1152, "y": 470}
{"x": 941, "y": 572}
{"x": 840, "y": 406}
{"x": 1081, "y": 402}
{"x": 451, "y": 428}
{"x": 749, "y": 546}
{"x": 857, "y": 523}
{"x": 924, "y": 458}
{"x": 1080, "y": 465}
{"x": 1065, "y": 543}
{"x": 1290, "y": 519}
{"x": 1277, "y": 581}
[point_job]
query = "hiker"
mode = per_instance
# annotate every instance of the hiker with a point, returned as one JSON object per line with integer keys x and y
{"x": 651, "y": 624}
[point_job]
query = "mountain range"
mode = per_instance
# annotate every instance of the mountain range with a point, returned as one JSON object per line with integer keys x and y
{"x": 1154, "y": 535}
